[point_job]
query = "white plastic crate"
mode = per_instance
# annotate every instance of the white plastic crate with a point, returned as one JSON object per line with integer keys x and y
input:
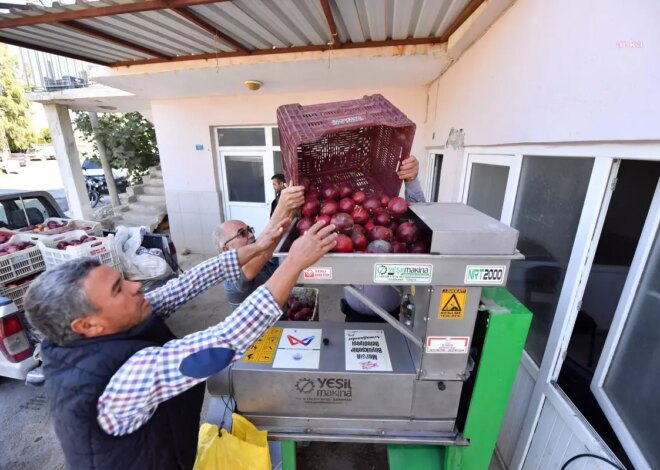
{"x": 305, "y": 293}
{"x": 92, "y": 228}
{"x": 21, "y": 263}
{"x": 16, "y": 293}
{"x": 103, "y": 249}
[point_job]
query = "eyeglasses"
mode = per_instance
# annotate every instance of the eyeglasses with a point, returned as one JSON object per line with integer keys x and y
{"x": 242, "y": 232}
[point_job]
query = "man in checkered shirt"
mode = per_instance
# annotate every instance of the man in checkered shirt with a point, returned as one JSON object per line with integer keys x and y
{"x": 123, "y": 391}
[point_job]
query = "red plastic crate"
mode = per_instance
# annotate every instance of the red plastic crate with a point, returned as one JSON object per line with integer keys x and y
{"x": 360, "y": 142}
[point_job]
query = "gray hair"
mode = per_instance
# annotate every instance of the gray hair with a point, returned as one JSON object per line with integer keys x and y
{"x": 57, "y": 297}
{"x": 219, "y": 237}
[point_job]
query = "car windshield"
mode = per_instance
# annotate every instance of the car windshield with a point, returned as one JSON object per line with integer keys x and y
{"x": 91, "y": 165}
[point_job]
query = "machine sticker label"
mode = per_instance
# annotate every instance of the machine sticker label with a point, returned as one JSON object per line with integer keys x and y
{"x": 452, "y": 304}
{"x": 403, "y": 273}
{"x": 447, "y": 344}
{"x": 263, "y": 350}
{"x": 320, "y": 274}
{"x": 485, "y": 274}
{"x": 366, "y": 350}
{"x": 299, "y": 348}
{"x": 327, "y": 390}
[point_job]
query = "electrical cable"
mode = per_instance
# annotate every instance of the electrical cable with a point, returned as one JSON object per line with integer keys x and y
{"x": 581, "y": 456}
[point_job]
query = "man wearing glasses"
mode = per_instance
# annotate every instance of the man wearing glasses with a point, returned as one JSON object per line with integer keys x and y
{"x": 233, "y": 234}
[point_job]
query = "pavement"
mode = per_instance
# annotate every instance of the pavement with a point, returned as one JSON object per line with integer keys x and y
{"x": 28, "y": 441}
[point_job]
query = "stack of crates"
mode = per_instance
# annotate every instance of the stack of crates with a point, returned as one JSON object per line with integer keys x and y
{"x": 19, "y": 269}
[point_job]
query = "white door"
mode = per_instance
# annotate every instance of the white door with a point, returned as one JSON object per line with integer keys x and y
{"x": 247, "y": 190}
{"x": 628, "y": 373}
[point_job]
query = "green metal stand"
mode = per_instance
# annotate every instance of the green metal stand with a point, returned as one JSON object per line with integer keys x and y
{"x": 507, "y": 325}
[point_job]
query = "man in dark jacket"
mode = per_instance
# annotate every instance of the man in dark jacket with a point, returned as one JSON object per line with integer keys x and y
{"x": 124, "y": 393}
{"x": 279, "y": 183}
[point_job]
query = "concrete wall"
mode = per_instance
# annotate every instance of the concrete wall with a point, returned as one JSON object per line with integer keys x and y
{"x": 191, "y": 177}
{"x": 553, "y": 71}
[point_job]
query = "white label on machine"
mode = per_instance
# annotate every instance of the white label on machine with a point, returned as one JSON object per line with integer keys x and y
{"x": 485, "y": 274}
{"x": 366, "y": 350}
{"x": 403, "y": 273}
{"x": 447, "y": 344}
{"x": 297, "y": 359}
{"x": 322, "y": 274}
{"x": 299, "y": 348}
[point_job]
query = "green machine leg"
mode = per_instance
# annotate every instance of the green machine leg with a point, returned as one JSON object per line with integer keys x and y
{"x": 507, "y": 326}
{"x": 288, "y": 455}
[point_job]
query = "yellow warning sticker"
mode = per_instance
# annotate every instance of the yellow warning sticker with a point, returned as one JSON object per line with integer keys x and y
{"x": 452, "y": 304}
{"x": 263, "y": 350}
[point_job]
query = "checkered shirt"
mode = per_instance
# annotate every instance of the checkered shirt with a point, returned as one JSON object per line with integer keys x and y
{"x": 151, "y": 376}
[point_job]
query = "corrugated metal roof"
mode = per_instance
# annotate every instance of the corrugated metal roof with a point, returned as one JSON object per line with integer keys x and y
{"x": 121, "y": 32}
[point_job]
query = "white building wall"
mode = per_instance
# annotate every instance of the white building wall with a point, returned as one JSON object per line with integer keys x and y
{"x": 191, "y": 177}
{"x": 553, "y": 71}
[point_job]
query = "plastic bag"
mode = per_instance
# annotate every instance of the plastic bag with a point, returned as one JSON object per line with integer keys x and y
{"x": 137, "y": 263}
{"x": 245, "y": 448}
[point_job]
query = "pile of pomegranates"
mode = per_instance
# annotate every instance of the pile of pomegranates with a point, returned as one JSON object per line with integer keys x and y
{"x": 371, "y": 223}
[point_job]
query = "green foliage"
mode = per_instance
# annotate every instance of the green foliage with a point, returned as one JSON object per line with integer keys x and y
{"x": 129, "y": 139}
{"x": 14, "y": 106}
{"x": 44, "y": 136}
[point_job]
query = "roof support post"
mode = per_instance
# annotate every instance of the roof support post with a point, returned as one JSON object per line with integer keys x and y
{"x": 105, "y": 162}
{"x": 68, "y": 160}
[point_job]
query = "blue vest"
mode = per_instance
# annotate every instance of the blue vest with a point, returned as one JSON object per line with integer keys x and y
{"x": 76, "y": 376}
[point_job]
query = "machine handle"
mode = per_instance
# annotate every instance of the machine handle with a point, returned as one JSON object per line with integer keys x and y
{"x": 384, "y": 315}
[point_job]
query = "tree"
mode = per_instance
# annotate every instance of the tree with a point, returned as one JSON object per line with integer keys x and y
{"x": 15, "y": 107}
{"x": 130, "y": 141}
{"x": 44, "y": 136}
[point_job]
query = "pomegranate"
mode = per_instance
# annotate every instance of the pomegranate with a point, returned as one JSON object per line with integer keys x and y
{"x": 344, "y": 244}
{"x": 384, "y": 200}
{"x": 312, "y": 193}
{"x": 397, "y": 207}
{"x": 345, "y": 190}
{"x": 324, "y": 218}
{"x": 310, "y": 208}
{"x": 380, "y": 233}
{"x": 407, "y": 232}
{"x": 369, "y": 226}
{"x": 329, "y": 208}
{"x": 398, "y": 247}
{"x": 359, "y": 229}
{"x": 360, "y": 215}
{"x": 382, "y": 218}
{"x": 420, "y": 246}
{"x": 329, "y": 192}
{"x": 379, "y": 246}
{"x": 394, "y": 225}
{"x": 372, "y": 203}
{"x": 347, "y": 205}
{"x": 343, "y": 222}
{"x": 304, "y": 224}
{"x": 360, "y": 241}
{"x": 359, "y": 197}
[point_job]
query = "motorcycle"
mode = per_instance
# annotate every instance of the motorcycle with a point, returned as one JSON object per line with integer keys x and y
{"x": 93, "y": 190}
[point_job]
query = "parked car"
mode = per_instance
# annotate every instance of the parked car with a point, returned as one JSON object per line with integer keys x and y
{"x": 93, "y": 169}
{"x": 41, "y": 154}
{"x": 21, "y": 158}
{"x": 17, "y": 340}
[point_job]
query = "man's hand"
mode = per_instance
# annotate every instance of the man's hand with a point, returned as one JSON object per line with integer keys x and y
{"x": 313, "y": 244}
{"x": 270, "y": 236}
{"x": 291, "y": 198}
{"x": 409, "y": 169}
{"x": 305, "y": 251}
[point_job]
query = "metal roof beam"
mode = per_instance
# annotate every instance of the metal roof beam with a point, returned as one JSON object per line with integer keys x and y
{"x": 196, "y": 20}
{"x": 82, "y": 28}
{"x": 95, "y": 12}
{"x": 460, "y": 19}
{"x": 48, "y": 50}
{"x": 327, "y": 11}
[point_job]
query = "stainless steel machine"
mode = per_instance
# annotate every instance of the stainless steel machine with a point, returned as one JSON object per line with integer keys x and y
{"x": 400, "y": 381}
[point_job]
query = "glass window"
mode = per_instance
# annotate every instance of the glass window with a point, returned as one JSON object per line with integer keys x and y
{"x": 277, "y": 162}
{"x": 276, "y": 137}
{"x": 546, "y": 213}
{"x": 245, "y": 177}
{"x": 633, "y": 376}
{"x": 487, "y": 188}
{"x": 435, "y": 184}
{"x": 241, "y": 137}
{"x": 37, "y": 210}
